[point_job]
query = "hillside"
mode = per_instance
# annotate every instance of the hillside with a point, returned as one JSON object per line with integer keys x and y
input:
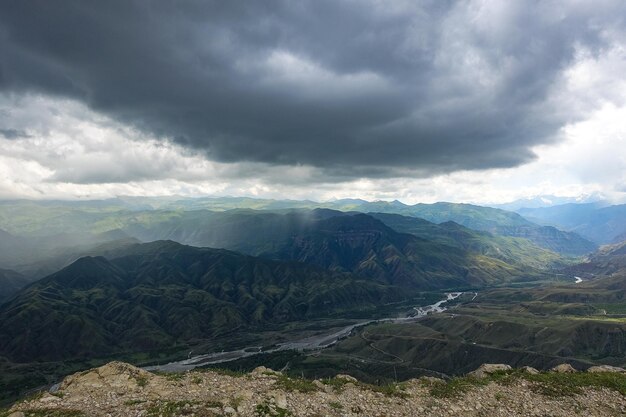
{"x": 341, "y": 241}
{"x": 10, "y": 283}
{"x": 119, "y": 390}
{"x": 597, "y": 222}
{"x": 161, "y": 294}
{"x": 492, "y": 220}
{"x": 516, "y": 251}
{"x": 366, "y": 246}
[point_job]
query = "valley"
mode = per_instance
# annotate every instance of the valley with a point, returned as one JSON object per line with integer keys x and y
{"x": 311, "y": 290}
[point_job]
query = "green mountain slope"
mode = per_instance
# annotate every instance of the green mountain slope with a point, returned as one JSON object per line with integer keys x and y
{"x": 339, "y": 241}
{"x": 10, "y": 283}
{"x": 496, "y": 221}
{"x": 366, "y": 246}
{"x": 66, "y": 219}
{"x": 163, "y": 293}
{"x": 515, "y": 251}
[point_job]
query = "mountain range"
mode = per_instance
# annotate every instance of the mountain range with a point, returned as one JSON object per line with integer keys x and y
{"x": 150, "y": 296}
{"x": 599, "y": 222}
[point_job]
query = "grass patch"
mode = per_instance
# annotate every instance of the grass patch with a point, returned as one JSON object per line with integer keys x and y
{"x": 455, "y": 387}
{"x": 141, "y": 380}
{"x": 551, "y": 384}
{"x": 336, "y": 383}
{"x": 172, "y": 376}
{"x": 266, "y": 409}
{"x": 53, "y": 412}
{"x": 390, "y": 390}
{"x": 557, "y": 385}
{"x": 134, "y": 402}
{"x": 335, "y": 405}
{"x": 235, "y": 402}
{"x": 296, "y": 384}
{"x": 170, "y": 409}
{"x": 226, "y": 372}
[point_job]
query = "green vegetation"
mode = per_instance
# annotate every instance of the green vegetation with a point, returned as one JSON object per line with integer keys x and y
{"x": 550, "y": 384}
{"x": 555, "y": 384}
{"x": 163, "y": 293}
{"x": 141, "y": 380}
{"x": 265, "y": 409}
{"x": 50, "y": 412}
{"x": 173, "y": 408}
{"x": 295, "y": 384}
{"x": 611, "y": 308}
{"x": 336, "y": 405}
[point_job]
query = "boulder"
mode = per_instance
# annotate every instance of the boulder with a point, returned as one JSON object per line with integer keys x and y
{"x": 564, "y": 368}
{"x": 529, "y": 370}
{"x": 606, "y": 368}
{"x": 347, "y": 378}
{"x": 114, "y": 375}
{"x": 489, "y": 368}
{"x": 263, "y": 371}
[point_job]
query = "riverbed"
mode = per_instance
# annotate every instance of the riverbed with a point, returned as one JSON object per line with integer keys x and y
{"x": 316, "y": 342}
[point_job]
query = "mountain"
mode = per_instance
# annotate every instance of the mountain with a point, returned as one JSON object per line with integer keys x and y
{"x": 595, "y": 221}
{"x": 366, "y": 246}
{"x": 58, "y": 258}
{"x": 10, "y": 283}
{"x": 512, "y": 250}
{"x": 159, "y": 294}
{"x": 548, "y": 201}
{"x": 348, "y": 242}
{"x": 66, "y": 219}
{"x": 488, "y": 219}
{"x": 607, "y": 261}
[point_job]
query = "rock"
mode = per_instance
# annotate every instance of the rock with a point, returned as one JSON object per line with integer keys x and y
{"x": 49, "y": 399}
{"x": 263, "y": 371}
{"x": 346, "y": 378}
{"x": 529, "y": 370}
{"x": 180, "y": 395}
{"x": 281, "y": 400}
{"x": 489, "y": 368}
{"x": 431, "y": 379}
{"x": 116, "y": 375}
{"x": 606, "y": 368}
{"x": 564, "y": 368}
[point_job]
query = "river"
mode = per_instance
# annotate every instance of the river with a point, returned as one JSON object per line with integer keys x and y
{"x": 310, "y": 343}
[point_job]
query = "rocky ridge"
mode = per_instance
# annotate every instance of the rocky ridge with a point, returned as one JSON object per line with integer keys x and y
{"x": 120, "y": 389}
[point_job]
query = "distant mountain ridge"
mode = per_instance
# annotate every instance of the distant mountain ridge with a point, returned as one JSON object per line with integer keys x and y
{"x": 600, "y": 223}
{"x": 340, "y": 241}
{"x": 54, "y": 218}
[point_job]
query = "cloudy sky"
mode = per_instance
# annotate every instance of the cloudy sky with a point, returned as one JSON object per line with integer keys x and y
{"x": 477, "y": 101}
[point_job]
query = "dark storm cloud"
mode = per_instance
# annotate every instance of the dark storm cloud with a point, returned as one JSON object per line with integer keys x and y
{"x": 354, "y": 88}
{"x": 13, "y": 134}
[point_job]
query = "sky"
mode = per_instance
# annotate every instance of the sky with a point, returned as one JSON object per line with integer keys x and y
{"x": 420, "y": 101}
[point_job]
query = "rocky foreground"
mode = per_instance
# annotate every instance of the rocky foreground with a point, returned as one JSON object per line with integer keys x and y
{"x": 119, "y": 389}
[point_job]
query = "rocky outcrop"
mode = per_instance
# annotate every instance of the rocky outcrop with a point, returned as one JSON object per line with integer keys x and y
{"x": 606, "y": 368}
{"x": 487, "y": 369}
{"x": 564, "y": 368}
{"x": 118, "y": 389}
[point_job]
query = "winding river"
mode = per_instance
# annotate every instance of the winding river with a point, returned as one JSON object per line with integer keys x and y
{"x": 310, "y": 343}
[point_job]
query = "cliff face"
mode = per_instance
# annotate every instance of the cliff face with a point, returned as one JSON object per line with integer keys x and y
{"x": 119, "y": 389}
